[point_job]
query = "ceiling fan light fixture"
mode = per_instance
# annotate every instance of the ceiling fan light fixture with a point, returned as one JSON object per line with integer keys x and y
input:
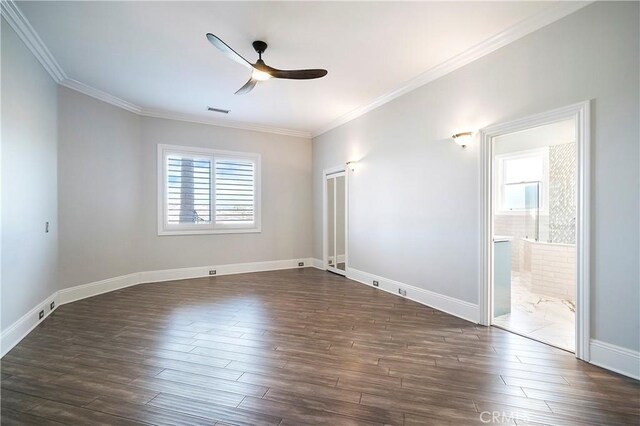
{"x": 261, "y": 71}
{"x": 260, "y": 75}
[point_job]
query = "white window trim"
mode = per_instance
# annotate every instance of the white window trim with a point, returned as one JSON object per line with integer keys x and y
{"x": 212, "y": 228}
{"x": 544, "y": 152}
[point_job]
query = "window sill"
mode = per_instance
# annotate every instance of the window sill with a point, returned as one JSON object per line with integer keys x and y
{"x": 162, "y": 233}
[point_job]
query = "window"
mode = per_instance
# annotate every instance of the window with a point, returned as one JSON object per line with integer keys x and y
{"x": 522, "y": 182}
{"x": 203, "y": 191}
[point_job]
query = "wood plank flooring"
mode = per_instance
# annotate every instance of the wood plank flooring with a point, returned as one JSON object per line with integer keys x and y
{"x": 292, "y": 347}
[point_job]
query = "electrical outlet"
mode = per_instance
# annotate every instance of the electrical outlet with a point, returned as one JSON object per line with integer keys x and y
{"x": 300, "y": 263}
{"x": 41, "y": 315}
{"x": 375, "y": 283}
{"x": 212, "y": 272}
{"x": 402, "y": 292}
{"x": 52, "y": 305}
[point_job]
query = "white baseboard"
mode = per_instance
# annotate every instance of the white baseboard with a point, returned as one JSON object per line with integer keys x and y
{"x": 22, "y": 327}
{"x": 450, "y": 305}
{"x": 318, "y": 263}
{"x": 83, "y": 291}
{"x": 615, "y": 358}
{"x": 233, "y": 268}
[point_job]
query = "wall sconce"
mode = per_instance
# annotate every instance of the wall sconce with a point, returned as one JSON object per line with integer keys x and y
{"x": 352, "y": 165}
{"x": 462, "y": 139}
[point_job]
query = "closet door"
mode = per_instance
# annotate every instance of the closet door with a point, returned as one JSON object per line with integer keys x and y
{"x": 340, "y": 223}
{"x": 331, "y": 222}
{"x": 335, "y": 229}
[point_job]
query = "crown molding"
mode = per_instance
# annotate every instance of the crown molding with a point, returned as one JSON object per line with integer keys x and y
{"x": 484, "y": 48}
{"x": 30, "y": 37}
{"x": 100, "y": 95}
{"x": 192, "y": 118}
{"x": 170, "y": 115}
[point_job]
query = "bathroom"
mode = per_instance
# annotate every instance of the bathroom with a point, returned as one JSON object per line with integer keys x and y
{"x": 534, "y": 223}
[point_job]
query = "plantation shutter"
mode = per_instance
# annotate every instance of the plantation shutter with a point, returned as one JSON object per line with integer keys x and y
{"x": 234, "y": 192}
{"x": 188, "y": 190}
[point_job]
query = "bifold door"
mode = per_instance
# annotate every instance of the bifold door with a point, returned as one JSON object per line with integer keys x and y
{"x": 336, "y": 209}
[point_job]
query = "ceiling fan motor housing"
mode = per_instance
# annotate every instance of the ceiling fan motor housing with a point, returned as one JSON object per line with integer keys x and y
{"x": 259, "y": 46}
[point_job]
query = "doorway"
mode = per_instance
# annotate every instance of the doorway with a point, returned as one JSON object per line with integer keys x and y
{"x": 335, "y": 221}
{"x": 535, "y": 233}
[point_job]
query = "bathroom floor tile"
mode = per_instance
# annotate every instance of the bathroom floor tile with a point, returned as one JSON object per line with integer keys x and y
{"x": 547, "y": 319}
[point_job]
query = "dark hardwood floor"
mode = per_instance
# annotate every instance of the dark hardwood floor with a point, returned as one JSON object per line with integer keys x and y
{"x": 292, "y": 347}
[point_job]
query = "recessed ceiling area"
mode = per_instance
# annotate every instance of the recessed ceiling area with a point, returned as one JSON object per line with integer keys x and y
{"x": 155, "y": 54}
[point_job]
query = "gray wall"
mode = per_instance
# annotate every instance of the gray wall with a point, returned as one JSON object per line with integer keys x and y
{"x": 286, "y": 198}
{"x": 99, "y": 189}
{"x": 108, "y": 194}
{"x": 414, "y": 200}
{"x": 29, "y": 189}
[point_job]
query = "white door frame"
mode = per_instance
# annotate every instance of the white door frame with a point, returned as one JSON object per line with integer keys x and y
{"x": 581, "y": 113}
{"x": 326, "y": 174}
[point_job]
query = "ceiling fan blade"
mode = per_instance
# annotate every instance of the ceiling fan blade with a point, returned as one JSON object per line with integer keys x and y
{"x": 228, "y": 51}
{"x": 248, "y": 86}
{"x": 297, "y": 74}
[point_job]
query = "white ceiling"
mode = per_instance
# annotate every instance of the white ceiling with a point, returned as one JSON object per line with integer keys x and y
{"x": 156, "y": 56}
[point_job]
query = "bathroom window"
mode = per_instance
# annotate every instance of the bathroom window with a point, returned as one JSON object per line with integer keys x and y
{"x": 203, "y": 191}
{"x": 523, "y": 181}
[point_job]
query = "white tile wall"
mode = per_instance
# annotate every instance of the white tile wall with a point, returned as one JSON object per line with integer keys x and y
{"x": 551, "y": 266}
{"x": 553, "y": 269}
{"x": 519, "y": 226}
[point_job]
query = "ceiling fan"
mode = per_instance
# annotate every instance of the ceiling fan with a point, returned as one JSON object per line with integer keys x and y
{"x": 261, "y": 71}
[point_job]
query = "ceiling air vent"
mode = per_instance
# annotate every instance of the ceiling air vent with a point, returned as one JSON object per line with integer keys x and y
{"x": 220, "y": 110}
